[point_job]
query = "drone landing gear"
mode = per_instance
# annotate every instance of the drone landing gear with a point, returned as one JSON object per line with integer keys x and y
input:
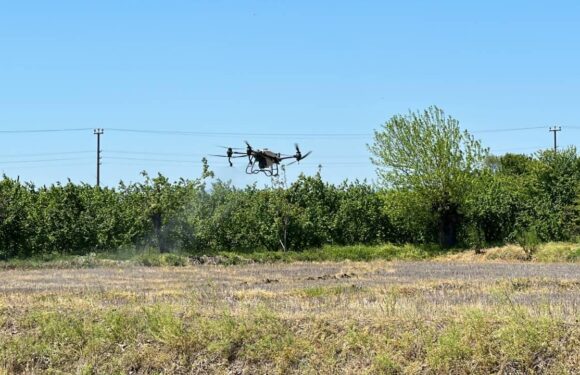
{"x": 252, "y": 168}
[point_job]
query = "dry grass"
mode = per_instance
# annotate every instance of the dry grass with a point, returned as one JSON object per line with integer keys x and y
{"x": 346, "y": 317}
{"x": 546, "y": 253}
{"x": 552, "y": 252}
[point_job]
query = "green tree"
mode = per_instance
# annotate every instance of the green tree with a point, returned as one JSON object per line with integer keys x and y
{"x": 162, "y": 201}
{"x": 360, "y": 217}
{"x": 551, "y": 192}
{"x": 426, "y": 152}
{"x": 492, "y": 207}
{"x": 15, "y": 229}
{"x": 317, "y": 201}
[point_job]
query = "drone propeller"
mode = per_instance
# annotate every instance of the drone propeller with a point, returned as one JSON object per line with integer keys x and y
{"x": 229, "y": 154}
{"x": 249, "y": 150}
{"x": 299, "y": 155}
{"x": 225, "y": 156}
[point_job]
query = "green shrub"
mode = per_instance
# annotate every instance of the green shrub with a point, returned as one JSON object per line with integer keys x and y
{"x": 529, "y": 241}
{"x": 384, "y": 364}
{"x": 511, "y": 198}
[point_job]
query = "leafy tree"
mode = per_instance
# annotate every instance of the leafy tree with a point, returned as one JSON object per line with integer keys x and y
{"x": 15, "y": 230}
{"x": 360, "y": 217}
{"x": 410, "y": 216}
{"x": 492, "y": 206}
{"x": 426, "y": 152}
{"x": 162, "y": 200}
{"x": 516, "y": 164}
{"x": 318, "y": 202}
{"x": 551, "y": 192}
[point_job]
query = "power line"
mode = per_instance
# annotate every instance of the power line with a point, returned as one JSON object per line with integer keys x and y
{"x": 236, "y": 134}
{"x": 148, "y": 159}
{"x": 124, "y": 152}
{"x": 151, "y": 153}
{"x": 59, "y": 165}
{"x": 146, "y": 164}
{"x": 23, "y": 131}
{"x": 175, "y": 161}
{"x": 188, "y": 155}
{"x": 243, "y": 134}
{"x": 501, "y": 130}
{"x": 313, "y": 135}
{"x": 44, "y": 154}
{"x": 38, "y": 160}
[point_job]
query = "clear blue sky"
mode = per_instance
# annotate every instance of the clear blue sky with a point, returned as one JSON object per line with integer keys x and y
{"x": 272, "y": 66}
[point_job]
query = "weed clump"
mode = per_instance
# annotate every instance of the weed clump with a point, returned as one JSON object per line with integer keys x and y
{"x": 154, "y": 259}
{"x": 529, "y": 240}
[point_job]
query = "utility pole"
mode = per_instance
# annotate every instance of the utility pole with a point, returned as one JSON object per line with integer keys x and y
{"x": 98, "y": 132}
{"x": 555, "y": 129}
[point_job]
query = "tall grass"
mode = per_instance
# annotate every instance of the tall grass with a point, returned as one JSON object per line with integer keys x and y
{"x": 167, "y": 339}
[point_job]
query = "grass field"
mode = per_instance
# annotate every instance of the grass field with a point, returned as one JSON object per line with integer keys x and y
{"x": 553, "y": 252}
{"x": 443, "y": 316}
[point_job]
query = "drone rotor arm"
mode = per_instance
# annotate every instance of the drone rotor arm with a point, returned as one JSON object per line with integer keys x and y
{"x": 298, "y": 157}
{"x": 233, "y": 148}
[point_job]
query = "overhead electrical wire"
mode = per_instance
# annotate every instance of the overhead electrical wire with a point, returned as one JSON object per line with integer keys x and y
{"x": 105, "y": 151}
{"x": 147, "y": 159}
{"x": 174, "y": 161}
{"x": 242, "y": 134}
{"x": 140, "y": 163}
{"x": 501, "y": 130}
{"x": 235, "y": 134}
{"x": 39, "y": 160}
{"x": 45, "y": 154}
{"x": 270, "y": 134}
{"x": 192, "y": 133}
{"x": 59, "y": 165}
{"x": 23, "y": 131}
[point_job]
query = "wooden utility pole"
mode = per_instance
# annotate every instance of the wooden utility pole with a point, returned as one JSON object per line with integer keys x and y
{"x": 98, "y": 132}
{"x": 555, "y": 129}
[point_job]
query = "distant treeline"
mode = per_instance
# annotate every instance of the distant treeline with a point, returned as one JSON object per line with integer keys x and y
{"x": 437, "y": 184}
{"x": 510, "y": 196}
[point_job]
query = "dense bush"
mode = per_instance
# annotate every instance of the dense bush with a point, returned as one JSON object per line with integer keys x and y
{"x": 511, "y": 197}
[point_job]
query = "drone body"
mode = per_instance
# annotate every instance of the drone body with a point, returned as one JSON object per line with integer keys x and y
{"x": 262, "y": 161}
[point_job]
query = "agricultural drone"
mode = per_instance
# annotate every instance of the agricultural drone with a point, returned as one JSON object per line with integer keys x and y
{"x": 261, "y": 161}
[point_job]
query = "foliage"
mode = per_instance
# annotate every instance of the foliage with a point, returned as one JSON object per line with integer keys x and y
{"x": 492, "y": 207}
{"x": 427, "y": 153}
{"x": 438, "y": 186}
{"x": 551, "y": 195}
{"x": 529, "y": 241}
{"x": 474, "y": 237}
